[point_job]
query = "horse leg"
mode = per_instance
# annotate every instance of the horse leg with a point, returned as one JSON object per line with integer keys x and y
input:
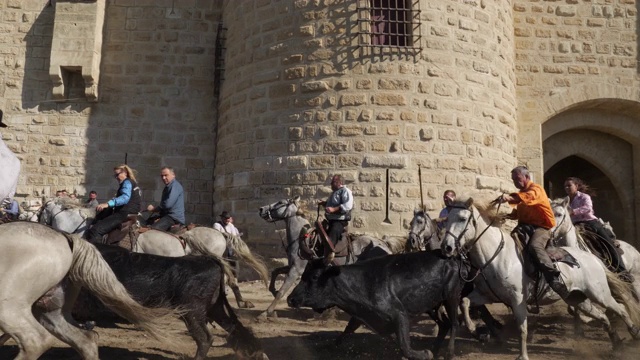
{"x": 196, "y": 323}
{"x": 4, "y": 338}
{"x": 520, "y": 314}
{"x": 32, "y": 338}
{"x": 587, "y": 307}
{"x": 233, "y": 284}
{"x": 274, "y": 276}
{"x": 292, "y": 277}
{"x": 451, "y": 306}
{"x": 352, "y": 326}
{"x": 83, "y": 341}
{"x": 465, "y": 305}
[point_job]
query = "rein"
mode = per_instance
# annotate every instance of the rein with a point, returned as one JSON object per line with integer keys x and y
{"x": 272, "y": 220}
{"x": 463, "y": 251}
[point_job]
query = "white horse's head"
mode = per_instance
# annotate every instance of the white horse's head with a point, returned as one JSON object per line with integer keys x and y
{"x": 564, "y": 232}
{"x": 423, "y": 232}
{"x": 49, "y": 209}
{"x": 460, "y": 228}
{"x": 280, "y": 210}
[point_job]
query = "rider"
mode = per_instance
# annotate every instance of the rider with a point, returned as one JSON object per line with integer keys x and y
{"x": 171, "y": 208}
{"x": 226, "y": 224}
{"x": 581, "y": 211}
{"x": 535, "y": 217}
{"x": 337, "y": 212}
{"x": 9, "y": 209}
{"x": 448, "y": 197}
{"x": 115, "y": 211}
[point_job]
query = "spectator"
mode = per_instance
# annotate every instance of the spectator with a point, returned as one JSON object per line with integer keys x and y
{"x": 9, "y": 209}
{"x": 226, "y": 224}
{"x": 92, "y": 202}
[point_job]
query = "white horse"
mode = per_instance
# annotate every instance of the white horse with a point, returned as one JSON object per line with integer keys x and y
{"x": 287, "y": 210}
{"x": 37, "y": 263}
{"x": 66, "y": 215}
{"x": 567, "y": 235}
{"x": 10, "y": 172}
{"x": 503, "y": 279}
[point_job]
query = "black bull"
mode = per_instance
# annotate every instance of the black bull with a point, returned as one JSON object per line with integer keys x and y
{"x": 384, "y": 292}
{"x": 194, "y": 284}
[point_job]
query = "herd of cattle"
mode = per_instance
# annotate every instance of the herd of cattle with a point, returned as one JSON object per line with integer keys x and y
{"x": 381, "y": 293}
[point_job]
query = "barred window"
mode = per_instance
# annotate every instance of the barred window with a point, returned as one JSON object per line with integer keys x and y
{"x": 389, "y": 23}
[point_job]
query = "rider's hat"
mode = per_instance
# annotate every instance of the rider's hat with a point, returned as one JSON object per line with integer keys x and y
{"x": 225, "y": 215}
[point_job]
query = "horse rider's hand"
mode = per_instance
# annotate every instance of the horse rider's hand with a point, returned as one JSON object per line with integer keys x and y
{"x": 322, "y": 202}
{"x": 331, "y": 210}
{"x": 151, "y": 208}
{"x": 101, "y": 207}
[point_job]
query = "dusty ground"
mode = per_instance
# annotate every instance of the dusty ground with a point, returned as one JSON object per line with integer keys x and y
{"x": 296, "y": 334}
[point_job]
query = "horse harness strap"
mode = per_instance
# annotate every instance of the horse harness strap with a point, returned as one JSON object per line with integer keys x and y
{"x": 323, "y": 233}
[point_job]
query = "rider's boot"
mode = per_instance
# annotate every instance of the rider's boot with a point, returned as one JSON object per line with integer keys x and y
{"x": 553, "y": 278}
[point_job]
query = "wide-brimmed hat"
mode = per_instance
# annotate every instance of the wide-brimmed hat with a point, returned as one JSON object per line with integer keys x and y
{"x": 225, "y": 215}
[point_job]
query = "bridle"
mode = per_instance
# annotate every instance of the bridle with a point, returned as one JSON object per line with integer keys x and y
{"x": 556, "y": 230}
{"x": 420, "y": 234}
{"x": 278, "y": 206}
{"x": 464, "y": 250}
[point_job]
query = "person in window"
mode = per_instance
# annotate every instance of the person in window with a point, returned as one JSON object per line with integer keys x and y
{"x": 115, "y": 211}
{"x": 9, "y": 209}
{"x": 171, "y": 209}
{"x": 581, "y": 211}
{"x": 448, "y": 197}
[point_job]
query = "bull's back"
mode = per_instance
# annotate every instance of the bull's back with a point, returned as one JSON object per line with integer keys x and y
{"x": 154, "y": 279}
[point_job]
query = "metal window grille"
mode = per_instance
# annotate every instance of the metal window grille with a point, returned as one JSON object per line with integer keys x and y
{"x": 389, "y": 23}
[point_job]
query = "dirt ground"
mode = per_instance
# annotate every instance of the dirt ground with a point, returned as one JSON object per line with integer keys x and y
{"x": 298, "y": 334}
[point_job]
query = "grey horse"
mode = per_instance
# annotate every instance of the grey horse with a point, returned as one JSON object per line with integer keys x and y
{"x": 287, "y": 210}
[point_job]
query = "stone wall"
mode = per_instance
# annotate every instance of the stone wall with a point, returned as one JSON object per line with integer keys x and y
{"x": 302, "y": 101}
{"x": 156, "y": 100}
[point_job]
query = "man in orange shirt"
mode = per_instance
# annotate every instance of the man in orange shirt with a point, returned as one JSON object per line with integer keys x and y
{"x": 535, "y": 217}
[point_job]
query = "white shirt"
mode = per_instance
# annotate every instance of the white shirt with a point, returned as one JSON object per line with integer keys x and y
{"x": 229, "y": 228}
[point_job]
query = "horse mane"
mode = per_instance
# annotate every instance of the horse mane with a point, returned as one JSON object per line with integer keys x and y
{"x": 488, "y": 211}
{"x": 72, "y": 204}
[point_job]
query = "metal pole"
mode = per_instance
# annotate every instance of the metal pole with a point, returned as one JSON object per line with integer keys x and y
{"x": 420, "y": 181}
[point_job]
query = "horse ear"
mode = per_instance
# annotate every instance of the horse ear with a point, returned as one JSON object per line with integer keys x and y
{"x": 565, "y": 202}
{"x": 296, "y": 199}
{"x": 469, "y": 203}
{"x": 415, "y": 212}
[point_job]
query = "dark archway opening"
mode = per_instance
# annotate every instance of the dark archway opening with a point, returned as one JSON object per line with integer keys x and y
{"x": 606, "y": 203}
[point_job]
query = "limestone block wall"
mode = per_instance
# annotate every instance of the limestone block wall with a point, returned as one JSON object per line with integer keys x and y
{"x": 301, "y": 101}
{"x": 567, "y": 53}
{"x": 156, "y": 100}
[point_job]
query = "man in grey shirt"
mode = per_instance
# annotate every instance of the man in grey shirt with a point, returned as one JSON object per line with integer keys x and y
{"x": 171, "y": 208}
{"x": 337, "y": 212}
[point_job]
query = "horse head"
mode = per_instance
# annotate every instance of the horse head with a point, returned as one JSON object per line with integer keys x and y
{"x": 560, "y": 208}
{"x": 48, "y": 210}
{"x": 280, "y": 210}
{"x": 422, "y": 230}
{"x": 460, "y": 229}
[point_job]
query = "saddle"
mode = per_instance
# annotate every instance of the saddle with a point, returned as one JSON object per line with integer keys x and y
{"x": 522, "y": 235}
{"x": 126, "y": 234}
{"x": 315, "y": 244}
{"x": 608, "y": 253}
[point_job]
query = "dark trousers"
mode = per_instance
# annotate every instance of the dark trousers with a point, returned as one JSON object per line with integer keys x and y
{"x": 105, "y": 221}
{"x": 163, "y": 223}
{"x": 336, "y": 228}
{"x": 602, "y": 234}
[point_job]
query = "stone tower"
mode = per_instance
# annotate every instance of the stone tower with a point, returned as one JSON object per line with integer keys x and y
{"x": 309, "y": 92}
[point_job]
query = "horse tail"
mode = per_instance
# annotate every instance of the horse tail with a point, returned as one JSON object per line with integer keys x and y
{"x": 397, "y": 244}
{"x": 623, "y": 292}
{"x": 255, "y": 262}
{"x": 199, "y": 248}
{"x": 90, "y": 270}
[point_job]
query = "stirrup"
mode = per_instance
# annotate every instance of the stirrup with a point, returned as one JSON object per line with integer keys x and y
{"x": 329, "y": 258}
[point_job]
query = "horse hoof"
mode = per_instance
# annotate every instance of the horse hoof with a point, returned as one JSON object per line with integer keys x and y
{"x": 635, "y": 332}
{"x": 261, "y": 317}
{"x": 245, "y": 305}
